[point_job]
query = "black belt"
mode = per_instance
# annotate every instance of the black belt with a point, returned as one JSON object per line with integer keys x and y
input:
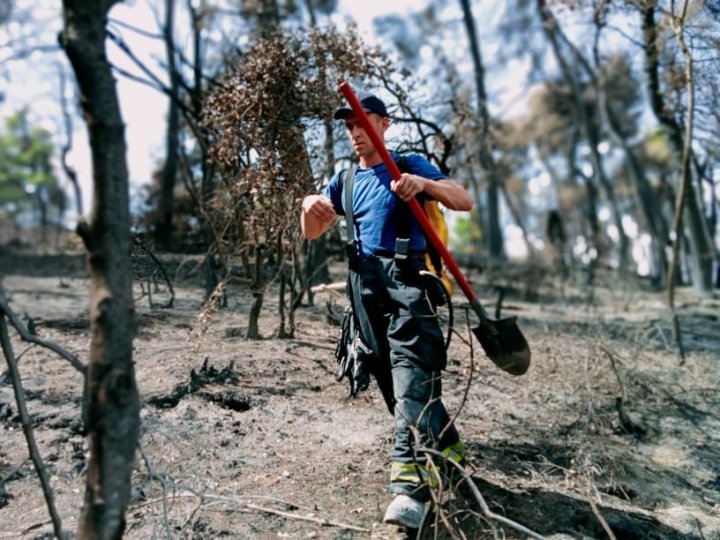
{"x": 415, "y": 254}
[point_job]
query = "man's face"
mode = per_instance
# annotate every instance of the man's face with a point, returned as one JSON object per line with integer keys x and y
{"x": 361, "y": 143}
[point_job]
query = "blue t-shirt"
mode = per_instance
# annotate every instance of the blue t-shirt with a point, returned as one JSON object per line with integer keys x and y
{"x": 374, "y": 205}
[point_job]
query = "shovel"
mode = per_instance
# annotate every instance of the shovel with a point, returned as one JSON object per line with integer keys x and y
{"x": 501, "y": 339}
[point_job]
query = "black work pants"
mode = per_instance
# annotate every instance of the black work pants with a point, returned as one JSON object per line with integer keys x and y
{"x": 398, "y": 323}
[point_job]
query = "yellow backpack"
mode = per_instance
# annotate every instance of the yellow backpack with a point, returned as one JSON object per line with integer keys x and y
{"x": 432, "y": 258}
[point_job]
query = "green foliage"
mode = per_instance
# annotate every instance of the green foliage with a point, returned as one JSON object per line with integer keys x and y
{"x": 466, "y": 234}
{"x": 25, "y": 160}
{"x": 657, "y": 149}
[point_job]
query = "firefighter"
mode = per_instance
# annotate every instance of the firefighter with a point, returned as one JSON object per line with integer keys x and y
{"x": 390, "y": 301}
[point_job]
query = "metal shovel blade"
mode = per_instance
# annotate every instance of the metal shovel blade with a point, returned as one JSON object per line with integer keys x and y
{"x": 504, "y": 344}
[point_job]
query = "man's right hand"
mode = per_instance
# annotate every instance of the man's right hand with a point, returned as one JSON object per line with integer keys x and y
{"x": 317, "y": 215}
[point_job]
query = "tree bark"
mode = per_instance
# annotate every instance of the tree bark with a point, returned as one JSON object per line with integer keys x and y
{"x": 494, "y": 232}
{"x": 699, "y": 236}
{"x": 110, "y": 405}
{"x": 169, "y": 172}
{"x": 590, "y": 132}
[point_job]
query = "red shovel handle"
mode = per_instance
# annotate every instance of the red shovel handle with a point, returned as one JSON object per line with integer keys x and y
{"x": 417, "y": 211}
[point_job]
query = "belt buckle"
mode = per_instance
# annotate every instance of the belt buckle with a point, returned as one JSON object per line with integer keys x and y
{"x": 401, "y": 248}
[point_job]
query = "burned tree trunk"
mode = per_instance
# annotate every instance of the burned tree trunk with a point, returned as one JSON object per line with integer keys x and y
{"x": 495, "y": 235}
{"x": 701, "y": 247}
{"x": 165, "y": 233}
{"x": 110, "y": 404}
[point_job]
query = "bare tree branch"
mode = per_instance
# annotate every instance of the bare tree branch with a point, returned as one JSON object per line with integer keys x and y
{"x": 27, "y": 428}
{"x": 25, "y": 335}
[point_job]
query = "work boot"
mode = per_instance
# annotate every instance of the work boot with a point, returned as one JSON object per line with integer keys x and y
{"x": 405, "y": 511}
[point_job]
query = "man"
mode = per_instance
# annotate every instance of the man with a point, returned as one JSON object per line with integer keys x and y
{"x": 390, "y": 299}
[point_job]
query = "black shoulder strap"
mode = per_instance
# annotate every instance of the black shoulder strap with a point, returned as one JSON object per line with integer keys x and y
{"x": 403, "y": 217}
{"x": 347, "y": 181}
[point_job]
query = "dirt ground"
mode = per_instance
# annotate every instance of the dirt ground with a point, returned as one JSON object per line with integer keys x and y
{"x": 266, "y": 443}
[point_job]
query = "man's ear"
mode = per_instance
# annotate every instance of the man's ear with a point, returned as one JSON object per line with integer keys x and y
{"x": 385, "y": 122}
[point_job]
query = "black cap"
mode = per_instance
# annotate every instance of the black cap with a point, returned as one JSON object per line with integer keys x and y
{"x": 370, "y": 103}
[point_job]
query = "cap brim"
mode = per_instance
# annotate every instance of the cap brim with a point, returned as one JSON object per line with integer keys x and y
{"x": 342, "y": 113}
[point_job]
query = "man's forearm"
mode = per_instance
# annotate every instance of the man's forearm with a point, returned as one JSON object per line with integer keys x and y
{"x": 451, "y": 194}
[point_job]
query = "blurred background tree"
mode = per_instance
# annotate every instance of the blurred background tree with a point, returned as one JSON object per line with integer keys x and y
{"x": 29, "y": 191}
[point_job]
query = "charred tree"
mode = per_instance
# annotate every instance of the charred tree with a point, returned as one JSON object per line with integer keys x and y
{"x": 590, "y": 131}
{"x": 164, "y": 230}
{"x": 697, "y": 229}
{"x": 495, "y": 236}
{"x": 110, "y": 404}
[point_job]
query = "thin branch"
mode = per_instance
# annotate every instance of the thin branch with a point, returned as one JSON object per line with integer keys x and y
{"x": 161, "y": 477}
{"x": 26, "y": 53}
{"x": 684, "y": 180}
{"x": 9, "y": 475}
{"x": 623, "y": 392}
{"x": 290, "y": 515}
{"x": 601, "y": 519}
{"x": 27, "y": 428}
{"x": 466, "y": 392}
{"x": 480, "y": 499}
{"x": 25, "y": 335}
{"x": 134, "y": 29}
{"x": 287, "y": 515}
{"x": 436, "y": 496}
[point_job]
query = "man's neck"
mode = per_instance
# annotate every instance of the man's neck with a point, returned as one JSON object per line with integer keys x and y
{"x": 370, "y": 161}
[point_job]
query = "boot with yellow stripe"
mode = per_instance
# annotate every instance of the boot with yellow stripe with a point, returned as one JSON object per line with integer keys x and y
{"x": 406, "y": 510}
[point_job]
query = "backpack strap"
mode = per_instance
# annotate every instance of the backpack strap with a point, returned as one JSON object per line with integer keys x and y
{"x": 403, "y": 217}
{"x": 347, "y": 181}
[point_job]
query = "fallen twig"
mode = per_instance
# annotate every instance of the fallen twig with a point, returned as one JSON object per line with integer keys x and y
{"x": 436, "y": 496}
{"x": 161, "y": 477}
{"x": 239, "y": 501}
{"x": 12, "y": 473}
{"x": 626, "y": 422}
{"x": 289, "y": 515}
{"x": 480, "y": 499}
{"x": 600, "y": 517}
